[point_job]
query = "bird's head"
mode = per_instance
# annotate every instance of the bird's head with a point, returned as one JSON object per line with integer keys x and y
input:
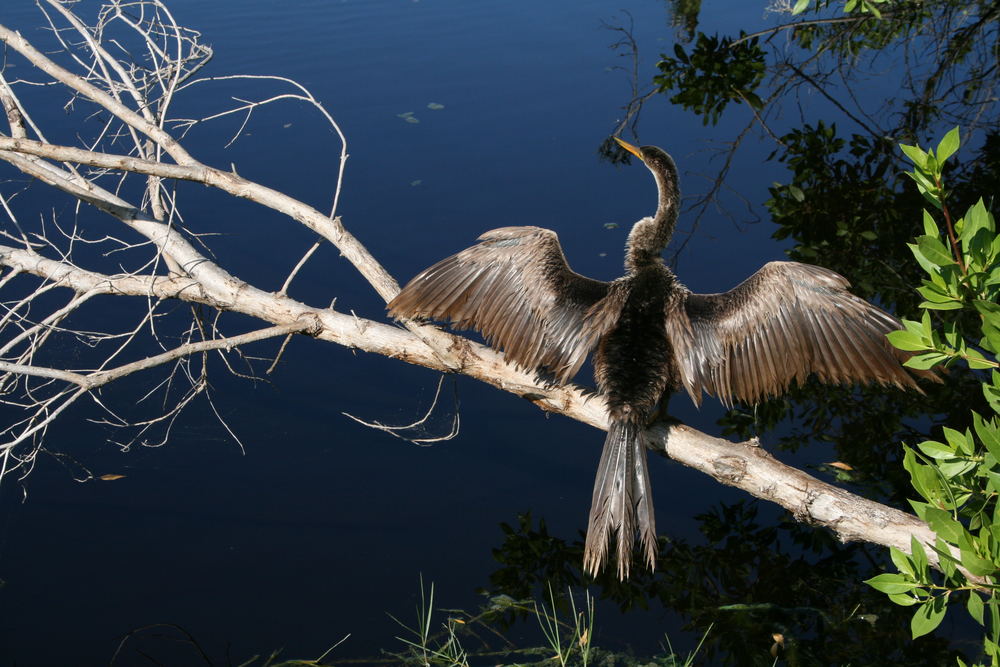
{"x": 655, "y": 158}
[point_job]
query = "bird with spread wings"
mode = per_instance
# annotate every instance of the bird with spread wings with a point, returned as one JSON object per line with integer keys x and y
{"x": 650, "y": 336}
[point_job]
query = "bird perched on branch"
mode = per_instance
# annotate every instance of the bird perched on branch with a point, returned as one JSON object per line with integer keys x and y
{"x": 651, "y": 336}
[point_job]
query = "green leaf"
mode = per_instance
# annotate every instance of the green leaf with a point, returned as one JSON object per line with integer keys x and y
{"x": 926, "y": 264}
{"x": 955, "y": 468}
{"x": 927, "y": 617}
{"x": 947, "y": 563}
{"x": 934, "y": 250}
{"x": 919, "y": 557}
{"x": 976, "y": 565}
{"x": 942, "y": 523}
{"x": 891, "y": 583}
{"x": 949, "y": 305}
{"x": 917, "y": 156}
{"x": 976, "y": 218}
{"x": 925, "y": 481}
{"x": 948, "y": 145}
{"x": 913, "y": 326}
{"x": 975, "y": 607}
{"x": 800, "y": 6}
{"x": 977, "y": 360}
{"x": 926, "y": 186}
{"x": 933, "y": 168}
{"x": 930, "y": 226}
{"x": 906, "y": 340}
{"x": 936, "y": 450}
{"x": 991, "y": 332}
{"x": 903, "y": 562}
{"x": 959, "y": 442}
{"x": 991, "y": 392}
{"x": 925, "y": 360}
{"x": 934, "y": 294}
{"x": 903, "y": 599}
{"x": 987, "y": 308}
{"x": 919, "y": 508}
{"x": 988, "y": 434}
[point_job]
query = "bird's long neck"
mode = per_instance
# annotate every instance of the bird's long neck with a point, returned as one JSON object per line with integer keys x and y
{"x": 650, "y": 236}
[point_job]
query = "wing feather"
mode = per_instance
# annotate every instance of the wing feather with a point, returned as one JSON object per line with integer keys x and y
{"x": 517, "y": 289}
{"x": 783, "y": 323}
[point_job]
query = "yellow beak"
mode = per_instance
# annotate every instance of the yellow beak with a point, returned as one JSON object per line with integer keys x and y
{"x": 630, "y": 148}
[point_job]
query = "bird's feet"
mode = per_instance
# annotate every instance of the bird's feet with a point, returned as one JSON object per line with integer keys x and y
{"x": 660, "y": 416}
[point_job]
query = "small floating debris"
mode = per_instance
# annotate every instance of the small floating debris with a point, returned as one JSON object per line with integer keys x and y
{"x": 415, "y": 183}
{"x": 611, "y": 225}
{"x": 110, "y": 477}
{"x": 408, "y": 117}
{"x": 602, "y": 254}
{"x": 435, "y": 106}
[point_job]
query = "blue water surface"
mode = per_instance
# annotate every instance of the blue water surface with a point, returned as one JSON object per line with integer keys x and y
{"x": 321, "y": 526}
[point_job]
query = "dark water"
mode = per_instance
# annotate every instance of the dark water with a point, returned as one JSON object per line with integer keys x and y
{"x": 322, "y": 526}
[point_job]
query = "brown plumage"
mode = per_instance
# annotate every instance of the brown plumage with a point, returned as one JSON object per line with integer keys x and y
{"x": 650, "y": 336}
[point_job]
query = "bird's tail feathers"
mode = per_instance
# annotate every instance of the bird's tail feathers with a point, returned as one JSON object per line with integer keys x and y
{"x": 622, "y": 502}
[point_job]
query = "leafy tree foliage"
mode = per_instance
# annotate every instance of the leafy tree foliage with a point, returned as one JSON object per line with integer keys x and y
{"x": 958, "y": 475}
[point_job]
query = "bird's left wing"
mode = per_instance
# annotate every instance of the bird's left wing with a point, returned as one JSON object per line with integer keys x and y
{"x": 517, "y": 289}
{"x": 784, "y": 322}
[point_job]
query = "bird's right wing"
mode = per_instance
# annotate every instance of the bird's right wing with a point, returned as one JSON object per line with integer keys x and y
{"x": 517, "y": 289}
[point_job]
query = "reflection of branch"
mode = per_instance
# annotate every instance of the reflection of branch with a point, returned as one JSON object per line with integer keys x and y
{"x": 703, "y": 201}
{"x": 634, "y": 106}
{"x": 834, "y": 101}
{"x": 801, "y": 24}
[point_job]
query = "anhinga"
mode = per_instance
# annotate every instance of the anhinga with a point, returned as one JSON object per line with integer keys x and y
{"x": 651, "y": 336}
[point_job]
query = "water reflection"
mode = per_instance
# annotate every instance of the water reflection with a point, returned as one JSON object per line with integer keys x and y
{"x": 746, "y": 581}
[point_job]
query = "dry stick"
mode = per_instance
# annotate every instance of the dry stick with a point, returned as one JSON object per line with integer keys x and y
{"x": 101, "y": 378}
